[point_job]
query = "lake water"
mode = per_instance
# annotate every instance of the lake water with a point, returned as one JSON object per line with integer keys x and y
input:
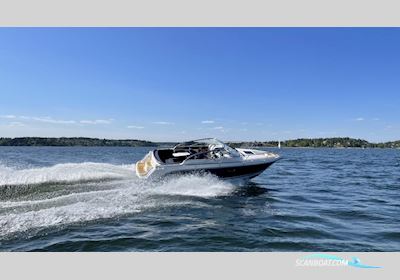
{"x": 88, "y": 199}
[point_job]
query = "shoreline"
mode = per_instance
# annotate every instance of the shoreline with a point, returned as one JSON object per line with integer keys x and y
{"x": 249, "y": 147}
{"x": 335, "y": 143}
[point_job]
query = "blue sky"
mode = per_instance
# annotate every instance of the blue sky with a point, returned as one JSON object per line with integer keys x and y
{"x": 168, "y": 84}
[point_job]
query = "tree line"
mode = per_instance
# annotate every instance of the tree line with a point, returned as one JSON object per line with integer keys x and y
{"x": 338, "y": 142}
{"x": 73, "y": 141}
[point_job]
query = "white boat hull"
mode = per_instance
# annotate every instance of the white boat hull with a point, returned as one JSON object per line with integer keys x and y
{"x": 242, "y": 168}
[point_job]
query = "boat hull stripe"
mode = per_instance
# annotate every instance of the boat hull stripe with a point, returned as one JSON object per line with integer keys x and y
{"x": 228, "y": 172}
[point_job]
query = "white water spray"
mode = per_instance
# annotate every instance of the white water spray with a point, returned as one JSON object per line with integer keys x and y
{"x": 96, "y": 191}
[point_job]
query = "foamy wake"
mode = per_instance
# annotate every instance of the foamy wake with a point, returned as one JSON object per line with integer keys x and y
{"x": 96, "y": 198}
{"x": 69, "y": 172}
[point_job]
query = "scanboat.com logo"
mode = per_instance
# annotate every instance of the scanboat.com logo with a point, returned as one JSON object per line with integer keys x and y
{"x": 331, "y": 260}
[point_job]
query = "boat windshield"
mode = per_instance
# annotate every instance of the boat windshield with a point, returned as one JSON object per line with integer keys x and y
{"x": 207, "y": 144}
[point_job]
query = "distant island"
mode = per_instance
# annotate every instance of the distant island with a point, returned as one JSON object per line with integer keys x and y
{"x": 338, "y": 142}
{"x": 73, "y": 141}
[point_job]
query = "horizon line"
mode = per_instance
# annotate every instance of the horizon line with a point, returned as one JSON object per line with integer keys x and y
{"x": 178, "y": 141}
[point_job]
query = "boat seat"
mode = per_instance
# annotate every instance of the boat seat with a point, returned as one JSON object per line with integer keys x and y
{"x": 181, "y": 154}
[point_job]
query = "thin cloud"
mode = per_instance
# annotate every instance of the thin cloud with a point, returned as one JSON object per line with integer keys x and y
{"x": 96, "y": 121}
{"x": 207, "y": 122}
{"x": 220, "y": 129}
{"x": 164, "y": 123}
{"x": 360, "y": 119}
{"x": 40, "y": 119}
{"x": 135, "y": 126}
{"x": 16, "y": 124}
{"x": 8, "y": 117}
{"x": 51, "y": 120}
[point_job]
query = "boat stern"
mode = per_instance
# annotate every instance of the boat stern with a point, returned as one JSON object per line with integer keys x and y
{"x": 146, "y": 166}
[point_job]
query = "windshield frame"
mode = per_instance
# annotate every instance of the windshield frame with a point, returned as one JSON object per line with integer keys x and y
{"x": 209, "y": 143}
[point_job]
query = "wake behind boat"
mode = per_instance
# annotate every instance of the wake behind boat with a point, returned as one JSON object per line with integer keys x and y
{"x": 205, "y": 156}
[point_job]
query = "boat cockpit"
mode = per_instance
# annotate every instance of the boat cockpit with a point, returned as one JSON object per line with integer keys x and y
{"x": 208, "y": 148}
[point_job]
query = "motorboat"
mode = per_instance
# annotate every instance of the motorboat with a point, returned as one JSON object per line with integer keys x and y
{"x": 205, "y": 156}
